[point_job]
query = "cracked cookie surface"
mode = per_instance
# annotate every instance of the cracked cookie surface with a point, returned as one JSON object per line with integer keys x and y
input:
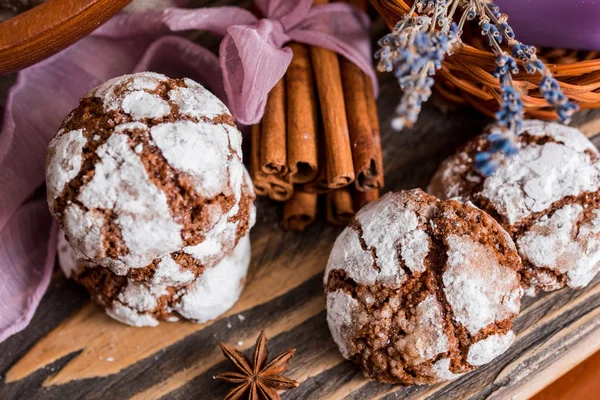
{"x": 421, "y": 290}
{"x": 547, "y": 197}
{"x": 145, "y": 303}
{"x": 147, "y": 166}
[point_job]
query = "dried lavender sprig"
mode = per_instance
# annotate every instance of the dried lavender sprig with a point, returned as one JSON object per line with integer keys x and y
{"x": 414, "y": 51}
{"x": 487, "y": 162}
{"x": 503, "y": 139}
{"x": 549, "y": 86}
{"x": 550, "y": 89}
{"x": 494, "y": 25}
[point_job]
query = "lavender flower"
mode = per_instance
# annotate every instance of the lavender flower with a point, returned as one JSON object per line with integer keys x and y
{"x": 414, "y": 51}
{"x": 510, "y": 115}
{"x": 503, "y": 140}
{"x": 554, "y": 96}
{"x": 425, "y": 6}
{"x": 486, "y": 162}
{"x": 505, "y": 66}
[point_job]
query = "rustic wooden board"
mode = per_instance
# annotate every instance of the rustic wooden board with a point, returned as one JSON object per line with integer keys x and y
{"x": 72, "y": 350}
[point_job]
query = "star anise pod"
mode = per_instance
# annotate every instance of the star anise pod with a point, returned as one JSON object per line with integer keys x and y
{"x": 260, "y": 380}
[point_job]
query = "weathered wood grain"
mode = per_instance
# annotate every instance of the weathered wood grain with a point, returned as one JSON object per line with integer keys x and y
{"x": 64, "y": 353}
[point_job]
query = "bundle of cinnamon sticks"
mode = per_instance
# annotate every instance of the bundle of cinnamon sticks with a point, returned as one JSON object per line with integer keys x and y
{"x": 319, "y": 136}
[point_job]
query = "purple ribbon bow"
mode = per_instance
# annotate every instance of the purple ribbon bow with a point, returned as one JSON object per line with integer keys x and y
{"x": 252, "y": 57}
{"x": 252, "y": 60}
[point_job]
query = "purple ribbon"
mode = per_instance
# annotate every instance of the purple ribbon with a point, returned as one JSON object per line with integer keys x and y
{"x": 252, "y": 55}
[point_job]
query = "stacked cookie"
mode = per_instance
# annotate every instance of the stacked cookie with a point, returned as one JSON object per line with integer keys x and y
{"x": 146, "y": 179}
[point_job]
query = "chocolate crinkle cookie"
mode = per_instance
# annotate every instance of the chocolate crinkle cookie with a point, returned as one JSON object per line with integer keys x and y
{"x": 140, "y": 152}
{"x": 146, "y": 179}
{"x": 421, "y": 290}
{"x": 547, "y": 197}
{"x": 144, "y": 303}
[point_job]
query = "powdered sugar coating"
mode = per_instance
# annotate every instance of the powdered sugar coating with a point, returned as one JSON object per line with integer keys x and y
{"x": 86, "y": 229}
{"x": 348, "y": 254}
{"x": 66, "y": 256}
{"x": 441, "y": 370}
{"x": 220, "y": 238}
{"x": 121, "y": 184}
{"x": 212, "y": 246}
{"x": 204, "y": 298}
{"x": 537, "y": 176}
{"x": 141, "y": 296}
{"x": 64, "y": 160}
{"x": 219, "y": 241}
{"x": 201, "y": 149}
{"x": 168, "y": 272}
{"x": 196, "y": 101}
{"x": 235, "y": 140}
{"x": 218, "y": 288}
{"x": 567, "y": 135}
{"x": 446, "y": 183}
{"x": 391, "y": 233}
{"x": 560, "y": 244}
{"x": 486, "y": 350}
{"x": 387, "y": 225}
{"x": 136, "y": 89}
{"x": 340, "y": 308}
{"x": 479, "y": 289}
{"x": 142, "y": 105}
{"x": 541, "y": 279}
{"x": 401, "y": 319}
{"x": 425, "y": 337}
{"x": 130, "y": 316}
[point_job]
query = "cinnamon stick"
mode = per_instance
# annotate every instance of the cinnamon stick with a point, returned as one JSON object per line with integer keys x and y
{"x": 374, "y": 118}
{"x": 276, "y": 187}
{"x": 339, "y": 207}
{"x": 371, "y": 107}
{"x": 273, "y": 160}
{"x": 363, "y": 198}
{"x": 300, "y": 210}
{"x": 302, "y": 159}
{"x": 281, "y": 188}
{"x": 319, "y": 184}
{"x": 360, "y": 127}
{"x": 261, "y": 186}
{"x": 340, "y": 171}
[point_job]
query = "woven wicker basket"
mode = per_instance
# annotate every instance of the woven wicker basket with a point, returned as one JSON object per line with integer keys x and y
{"x": 466, "y": 76}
